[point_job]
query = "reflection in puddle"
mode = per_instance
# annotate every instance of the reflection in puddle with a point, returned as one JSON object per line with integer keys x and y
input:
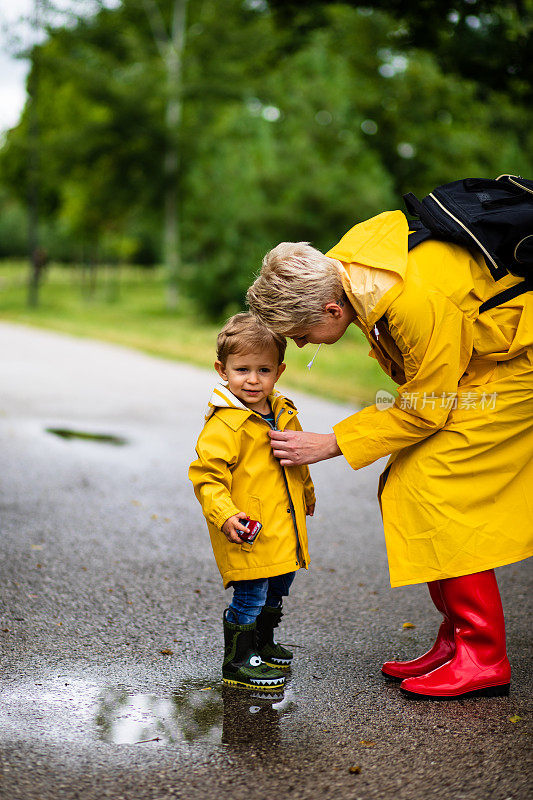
{"x": 195, "y": 713}
{"x": 105, "y": 438}
{"x": 253, "y": 722}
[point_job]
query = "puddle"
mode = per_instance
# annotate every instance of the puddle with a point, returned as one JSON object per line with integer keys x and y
{"x": 104, "y": 438}
{"x": 197, "y": 717}
{"x": 194, "y": 714}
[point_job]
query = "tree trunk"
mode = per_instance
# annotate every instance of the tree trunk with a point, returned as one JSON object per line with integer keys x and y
{"x": 36, "y": 256}
{"x": 173, "y": 64}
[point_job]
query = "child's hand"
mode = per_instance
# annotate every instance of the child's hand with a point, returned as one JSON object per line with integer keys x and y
{"x": 310, "y": 510}
{"x": 231, "y": 526}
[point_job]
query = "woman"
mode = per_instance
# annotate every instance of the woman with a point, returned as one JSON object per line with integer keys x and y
{"x": 455, "y": 495}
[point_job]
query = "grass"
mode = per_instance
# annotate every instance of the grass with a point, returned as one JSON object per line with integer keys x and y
{"x": 128, "y": 308}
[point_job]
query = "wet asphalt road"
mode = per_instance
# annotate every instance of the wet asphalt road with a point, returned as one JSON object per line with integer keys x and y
{"x": 110, "y": 634}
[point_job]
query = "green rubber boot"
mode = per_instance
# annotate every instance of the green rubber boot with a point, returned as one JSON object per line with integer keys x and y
{"x": 242, "y": 666}
{"x": 272, "y": 653}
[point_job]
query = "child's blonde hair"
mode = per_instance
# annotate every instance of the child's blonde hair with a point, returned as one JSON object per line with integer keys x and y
{"x": 295, "y": 283}
{"x": 245, "y": 333}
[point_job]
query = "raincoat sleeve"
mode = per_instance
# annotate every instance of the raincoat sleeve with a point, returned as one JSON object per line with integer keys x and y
{"x": 210, "y": 473}
{"x": 435, "y": 338}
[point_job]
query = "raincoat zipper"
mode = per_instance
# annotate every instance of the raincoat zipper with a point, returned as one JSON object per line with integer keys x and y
{"x": 372, "y": 334}
{"x": 274, "y": 427}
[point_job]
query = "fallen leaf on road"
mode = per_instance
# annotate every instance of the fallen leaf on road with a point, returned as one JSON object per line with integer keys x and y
{"x": 354, "y": 770}
{"x": 167, "y": 652}
{"x": 367, "y": 744}
{"x": 408, "y": 625}
{"x": 515, "y": 718}
{"x": 136, "y": 503}
{"x": 154, "y": 516}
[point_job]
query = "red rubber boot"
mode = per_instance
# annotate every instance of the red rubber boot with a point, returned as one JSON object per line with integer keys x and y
{"x": 480, "y": 665}
{"x": 440, "y": 653}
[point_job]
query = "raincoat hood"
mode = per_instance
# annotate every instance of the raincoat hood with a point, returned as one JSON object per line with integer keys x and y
{"x": 379, "y": 245}
{"x": 238, "y": 413}
{"x": 222, "y": 397}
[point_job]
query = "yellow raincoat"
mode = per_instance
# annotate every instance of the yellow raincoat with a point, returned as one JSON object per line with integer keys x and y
{"x": 456, "y": 495}
{"x": 236, "y": 471}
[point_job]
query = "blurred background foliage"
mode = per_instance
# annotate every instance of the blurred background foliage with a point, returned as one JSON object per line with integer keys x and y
{"x": 196, "y": 135}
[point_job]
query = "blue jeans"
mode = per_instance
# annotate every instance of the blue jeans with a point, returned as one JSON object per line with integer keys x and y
{"x": 249, "y": 597}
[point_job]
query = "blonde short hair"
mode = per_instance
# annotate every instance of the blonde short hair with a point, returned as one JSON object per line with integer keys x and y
{"x": 245, "y": 333}
{"x": 295, "y": 283}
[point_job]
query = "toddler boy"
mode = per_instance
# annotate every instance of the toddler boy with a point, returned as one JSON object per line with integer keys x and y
{"x": 236, "y": 478}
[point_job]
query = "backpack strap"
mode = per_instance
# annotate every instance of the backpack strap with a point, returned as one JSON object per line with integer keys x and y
{"x": 417, "y": 233}
{"x": 507, "y": 294}
{"x": 413, "y": 204}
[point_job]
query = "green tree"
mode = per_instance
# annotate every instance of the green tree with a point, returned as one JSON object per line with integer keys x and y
{"x": 488, "y": 42}
{"x": 278, "y": 136}
{"x": 170, "y": 41}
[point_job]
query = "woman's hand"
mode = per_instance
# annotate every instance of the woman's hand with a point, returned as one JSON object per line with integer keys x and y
{"x": 298, "y": 447}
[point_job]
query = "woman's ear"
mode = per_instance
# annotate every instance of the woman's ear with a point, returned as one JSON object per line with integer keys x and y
{"x": 335, "y": 309}
{"x": 221, "y": 369}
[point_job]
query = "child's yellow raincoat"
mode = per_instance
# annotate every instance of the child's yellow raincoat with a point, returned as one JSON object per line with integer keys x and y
{"x": 236, "y": 471}
{"x": 457, "y": 493}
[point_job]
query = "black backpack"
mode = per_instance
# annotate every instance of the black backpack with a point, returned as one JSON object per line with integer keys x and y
{"x": 492, "y": 216}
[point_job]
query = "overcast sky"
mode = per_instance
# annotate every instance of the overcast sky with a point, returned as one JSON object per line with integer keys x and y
{"x": 12, "y": 71}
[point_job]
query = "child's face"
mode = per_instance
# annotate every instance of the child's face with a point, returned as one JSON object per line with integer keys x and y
{"x": 251, "y": 376}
